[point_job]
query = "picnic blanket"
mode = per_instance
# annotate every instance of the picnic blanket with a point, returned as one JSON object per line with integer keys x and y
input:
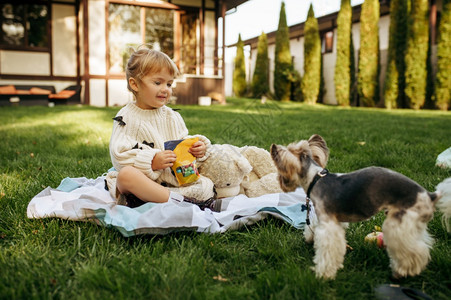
{"x": 83, "y": 199}
{"x": 444, "y": 159}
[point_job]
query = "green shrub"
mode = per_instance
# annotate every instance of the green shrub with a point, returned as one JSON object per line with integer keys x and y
{"x": 416, "y": 54}
{"x": 342, "y": 78}
{"x": 428, "y": 102}
{"x": 322, "y": 84}
{"x": 260, "y": 80}
{"x": 443, "y": 76}
{"x": 353, "y": 92}
{"x": 312, "y": 59}
{"x": 368, "y": 77}
{"x": 394, "y": 79}
{"x": 296, "y": 82}
{"x": 239, "y": 72}
{"x": 282, "y": 60}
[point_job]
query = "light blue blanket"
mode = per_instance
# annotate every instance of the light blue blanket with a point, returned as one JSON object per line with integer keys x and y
{"x": 82, "y": 199}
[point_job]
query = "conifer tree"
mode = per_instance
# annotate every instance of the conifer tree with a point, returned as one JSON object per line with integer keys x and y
{"x": 428, "y": 102}
{"x": 312, "y": 59}
{"x": 443, "y": 76}
{"x": 342, "y": 78}
{"x": 353, "y": 84}
{"x": 416, "y": 54}
{"x": 368, "y": 77}
{"x": 322, "y": 84}
{"x": 282, "y": 60}
{"x": 394, "y": 96}
{"x": 296, "y": 82}
{"x": 239, "y": 72}
{"x": 260, "y": 80}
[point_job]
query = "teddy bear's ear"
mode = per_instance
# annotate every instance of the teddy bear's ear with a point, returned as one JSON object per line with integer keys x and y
{"x": 244, "y": 165}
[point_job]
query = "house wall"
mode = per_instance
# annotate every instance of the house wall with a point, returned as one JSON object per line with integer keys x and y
{"x": 97, "y": 52}
{"x": 64, "y": 40}
{"x": 118, "y": 92}
{"x": 209, "y": 44}
{"x": 271, "y": 56}
{"x": 24, "y": 62}
{"x": 80, "y": 40}
{"x": 97, "y": 41}
{"x": 328, "y": 75}
{"x": 228, "y": 79}
{"x": 297, "y": 52}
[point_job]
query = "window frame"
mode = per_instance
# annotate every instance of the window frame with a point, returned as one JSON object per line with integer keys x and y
{"x": 26, "y": 46}
{"x": 324, "y": 42}
{"x": 141, "y": 6}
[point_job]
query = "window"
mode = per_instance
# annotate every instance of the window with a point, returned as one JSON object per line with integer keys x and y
{"x": 327, "y": 42}
{"x": 131, "y": 26}
{"x": 24, "y": 26}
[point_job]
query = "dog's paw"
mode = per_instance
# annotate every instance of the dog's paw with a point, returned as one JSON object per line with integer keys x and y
{"x": 325, "y": 273}
{"x": 326, "y": 276}
{"x": 308, "y": 235}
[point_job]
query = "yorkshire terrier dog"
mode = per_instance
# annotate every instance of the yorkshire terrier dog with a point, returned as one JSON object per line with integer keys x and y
{"x": 357, "y": 196}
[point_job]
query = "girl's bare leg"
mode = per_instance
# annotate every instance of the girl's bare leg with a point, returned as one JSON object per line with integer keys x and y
{"x": 132, "y": 181}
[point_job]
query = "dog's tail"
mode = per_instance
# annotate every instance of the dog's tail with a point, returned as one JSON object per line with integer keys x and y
{"x": 444, "y": 202}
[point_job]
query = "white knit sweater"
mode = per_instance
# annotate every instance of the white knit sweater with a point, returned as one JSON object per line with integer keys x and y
{"x": 143, "y": 135}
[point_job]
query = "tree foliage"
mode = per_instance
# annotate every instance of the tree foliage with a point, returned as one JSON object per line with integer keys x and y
{"x": 312, "y": 59}
{"x": 368, "y": 77}
{"x": 443, "y": 76}
{"x": 342, "y": 78}
{"x": 260, "y": 80}
{"x": 282, "y": 60}
{"x": 394, "y": 78}
{"x": 428, "y": 101}
{"x": 239, "y": 72}
{"x": 322, "y": 84}
{"x": 353, "y": 92}
{"x": 416, "y": 54}
{"x": 296, "y": 82}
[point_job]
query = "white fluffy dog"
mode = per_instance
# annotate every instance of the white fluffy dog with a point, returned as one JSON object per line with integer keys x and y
{"x": 357, "y": 196}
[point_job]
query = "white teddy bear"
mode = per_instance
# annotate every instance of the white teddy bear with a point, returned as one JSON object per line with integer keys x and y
{"x": 264, "y": 178}
{"x": 247, "y": 170}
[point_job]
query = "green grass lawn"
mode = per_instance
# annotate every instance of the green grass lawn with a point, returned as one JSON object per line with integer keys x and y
{"x": 53, "y": 258}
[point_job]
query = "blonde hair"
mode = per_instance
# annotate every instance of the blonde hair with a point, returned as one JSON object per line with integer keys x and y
{"x": 144, "y": 61}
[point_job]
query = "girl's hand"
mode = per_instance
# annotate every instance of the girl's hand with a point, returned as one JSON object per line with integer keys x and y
{"x": 164, "y": 159}
{"x": 198, "y": 149}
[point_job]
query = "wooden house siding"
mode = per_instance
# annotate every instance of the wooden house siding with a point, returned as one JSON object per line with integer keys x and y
{"x": 191, "y": 88}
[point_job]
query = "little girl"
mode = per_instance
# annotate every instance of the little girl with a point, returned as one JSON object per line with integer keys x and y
{"x": 139, "y": 132}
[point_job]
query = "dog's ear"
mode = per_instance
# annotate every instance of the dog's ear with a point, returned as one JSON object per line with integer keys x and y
{"x": 320, "y": 151}
{"x": 316, "y": 139}
{"x": 274, "y": 151}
